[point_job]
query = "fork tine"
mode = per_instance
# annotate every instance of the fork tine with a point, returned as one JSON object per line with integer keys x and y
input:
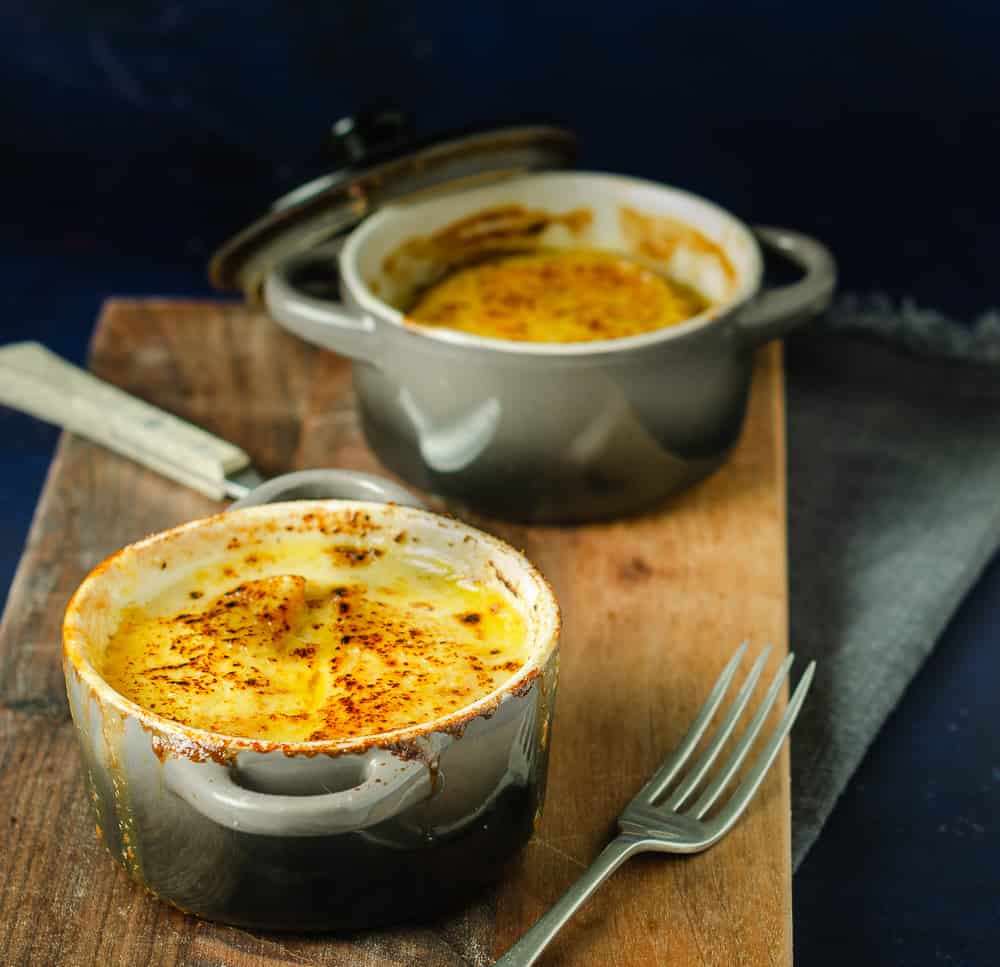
{"x": 711, "y": 793}
{"x": 704, "y": 762}
{"x": 663, "y": 776}
{"x": 744, "y": 792}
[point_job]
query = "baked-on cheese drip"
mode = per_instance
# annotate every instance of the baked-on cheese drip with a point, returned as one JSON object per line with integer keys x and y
{"x": 353, "y": 642}
{"x": 572, "y": 295}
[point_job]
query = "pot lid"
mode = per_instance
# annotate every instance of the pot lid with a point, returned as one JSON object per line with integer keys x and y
{"x": 379, "y": 163}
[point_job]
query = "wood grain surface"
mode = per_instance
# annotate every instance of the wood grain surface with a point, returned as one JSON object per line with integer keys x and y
{"x": 653, "y": 606}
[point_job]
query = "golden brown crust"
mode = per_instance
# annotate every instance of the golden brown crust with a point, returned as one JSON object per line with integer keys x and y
{"x": 562, "y": 295}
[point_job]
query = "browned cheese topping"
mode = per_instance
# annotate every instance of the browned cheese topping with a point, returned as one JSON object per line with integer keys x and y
{"x": 572, "y": 295}
{"x": 318, "y": 642}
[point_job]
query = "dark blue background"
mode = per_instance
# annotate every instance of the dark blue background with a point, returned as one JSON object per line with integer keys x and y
{"x": 136, "y": 137}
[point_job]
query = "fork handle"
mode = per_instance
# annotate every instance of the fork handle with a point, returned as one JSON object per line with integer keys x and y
{"x": 528, "y": 949}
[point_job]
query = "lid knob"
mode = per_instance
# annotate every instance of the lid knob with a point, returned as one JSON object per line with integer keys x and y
{"x": 360, "y": 138}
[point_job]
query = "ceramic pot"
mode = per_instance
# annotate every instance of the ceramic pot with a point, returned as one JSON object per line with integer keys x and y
{"x": 545, "y": 431}
{"x": 311, "y": 835}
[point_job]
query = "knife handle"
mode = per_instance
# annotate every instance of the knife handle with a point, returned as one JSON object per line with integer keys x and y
{"x": 40, "y": 383}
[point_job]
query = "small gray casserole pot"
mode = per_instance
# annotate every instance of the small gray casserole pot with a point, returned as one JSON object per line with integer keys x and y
{"x": 311, "y": 835}
{"x": 540, "y": 431}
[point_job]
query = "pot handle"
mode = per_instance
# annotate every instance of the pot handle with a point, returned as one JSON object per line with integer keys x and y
{"x": 387, "y": 786}
{"x": 776, "y": 311}
{"x": 322, "y": 484}
{"x": 323, "y": 322}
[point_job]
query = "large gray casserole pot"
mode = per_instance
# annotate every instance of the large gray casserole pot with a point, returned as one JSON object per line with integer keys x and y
{"x": 537, "y": 431}
{"x": 311, "y": 835}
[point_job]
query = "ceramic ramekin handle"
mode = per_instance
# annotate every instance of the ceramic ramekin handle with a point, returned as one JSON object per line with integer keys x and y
{"x": 323, "y": 484}
{"x": 776, "y": 311}
{"x": 387, "y": 786}
{"x": 323, "y": 322}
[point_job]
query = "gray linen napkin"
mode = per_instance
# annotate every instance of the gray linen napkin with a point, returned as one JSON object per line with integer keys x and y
{"x": 893, "y": 511}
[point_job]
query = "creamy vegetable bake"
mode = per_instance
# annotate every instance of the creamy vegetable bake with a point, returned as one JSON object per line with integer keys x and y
{"x": 570, "y": 295}
{"x": 318, "y": 639}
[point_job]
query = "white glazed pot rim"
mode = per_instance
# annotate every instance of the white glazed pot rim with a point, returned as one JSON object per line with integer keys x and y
{"x": 174, "y": 737}
{"x": 379, "y": 310}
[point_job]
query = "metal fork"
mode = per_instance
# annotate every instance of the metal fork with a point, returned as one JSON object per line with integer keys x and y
{"x": 655, "y": 821}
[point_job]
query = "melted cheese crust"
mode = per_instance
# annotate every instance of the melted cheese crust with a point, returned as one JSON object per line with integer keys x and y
{"x": 573, "y": 295}
{"x": 319, "y": 641}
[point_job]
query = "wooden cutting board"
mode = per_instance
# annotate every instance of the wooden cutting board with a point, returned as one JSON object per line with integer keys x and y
{"x": 653, "y": 607}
